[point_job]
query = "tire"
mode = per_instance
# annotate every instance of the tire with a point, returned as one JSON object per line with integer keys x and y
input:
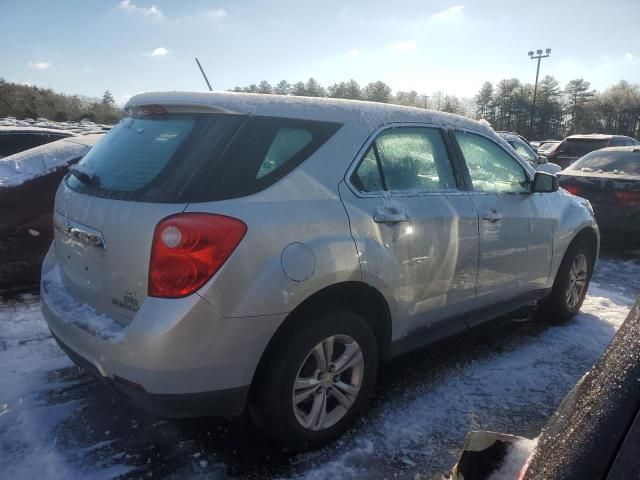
{"x": 296, "y": 357}
{"x": 560, "y": 305}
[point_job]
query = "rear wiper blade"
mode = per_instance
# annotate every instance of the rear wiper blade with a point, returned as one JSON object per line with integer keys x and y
{"x": 82, "y": 175}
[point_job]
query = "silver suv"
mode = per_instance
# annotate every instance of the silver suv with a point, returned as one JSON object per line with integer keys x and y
{"x": 219, "y": 251}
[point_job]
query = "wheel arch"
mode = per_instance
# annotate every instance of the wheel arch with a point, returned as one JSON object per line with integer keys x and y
{"x": 356, "y": 296}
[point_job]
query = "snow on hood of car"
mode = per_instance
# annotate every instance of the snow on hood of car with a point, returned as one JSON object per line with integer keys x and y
{"x": 35, "y": 162}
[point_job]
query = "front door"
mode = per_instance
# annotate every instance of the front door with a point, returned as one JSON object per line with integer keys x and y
{"x": 515, "y": 231}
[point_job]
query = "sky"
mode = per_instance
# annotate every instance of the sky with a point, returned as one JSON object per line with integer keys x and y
{"x": 130, "y": 46}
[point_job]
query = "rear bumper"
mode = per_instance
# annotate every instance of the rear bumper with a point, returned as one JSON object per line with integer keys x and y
{"x": 176, "y": 358}
{"x": 221, "y": 403}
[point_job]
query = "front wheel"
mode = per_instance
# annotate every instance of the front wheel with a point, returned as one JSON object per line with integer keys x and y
{"x": 571, "y": 283}
{"x": 318, "y": 380}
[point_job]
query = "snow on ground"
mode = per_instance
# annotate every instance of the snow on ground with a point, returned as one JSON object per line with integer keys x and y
{"x": 507, "y": 376}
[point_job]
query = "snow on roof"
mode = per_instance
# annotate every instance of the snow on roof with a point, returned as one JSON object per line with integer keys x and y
{"x": 327, "y": 109}
{"x": 35, "y": 162}
{"x": 591, "y": 136}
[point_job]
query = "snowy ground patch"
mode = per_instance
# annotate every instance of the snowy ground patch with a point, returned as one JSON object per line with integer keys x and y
{"x": 506, "y": 376}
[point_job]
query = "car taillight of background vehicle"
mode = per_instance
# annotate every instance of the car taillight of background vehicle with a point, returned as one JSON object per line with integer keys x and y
{"x": 628, "y": 199}
{"x": 188, "y": 249}
{"x": 572, "y": 189}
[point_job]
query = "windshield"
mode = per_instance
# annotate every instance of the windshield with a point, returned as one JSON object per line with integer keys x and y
{"x": 617, "y": 162}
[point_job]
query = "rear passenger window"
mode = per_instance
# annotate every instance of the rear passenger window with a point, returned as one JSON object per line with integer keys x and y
{"x": 406, "y": 159}
{"x": 490, "y": 167}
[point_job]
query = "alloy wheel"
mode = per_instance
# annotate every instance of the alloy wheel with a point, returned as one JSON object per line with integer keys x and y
{"x": 577, "y": 280}
{"x": 328, "y": 382}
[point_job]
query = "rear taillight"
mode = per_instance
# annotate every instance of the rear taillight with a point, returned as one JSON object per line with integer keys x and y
{"x": 572, "y": 189}
{"x": 628, "y": 199}
{"x": 188, "y": 249}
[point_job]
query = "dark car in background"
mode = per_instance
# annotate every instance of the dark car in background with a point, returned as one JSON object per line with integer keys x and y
{"x": 14, "y": 139}
{"x": 594, "y": 433}
{"x": 548, "y": 146}
{"x": 28, "y": 182}
{"x": 610, "y": 179}
{"x": 575, "y": 146}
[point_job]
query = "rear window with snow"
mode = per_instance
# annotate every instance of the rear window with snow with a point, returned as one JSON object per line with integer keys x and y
{"x": 196, "y": 157}
{"x": 623, "y": 163}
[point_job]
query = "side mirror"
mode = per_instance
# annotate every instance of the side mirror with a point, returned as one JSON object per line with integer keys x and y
{"x": 542, "y": 159}
{"x": 545, "y": 183}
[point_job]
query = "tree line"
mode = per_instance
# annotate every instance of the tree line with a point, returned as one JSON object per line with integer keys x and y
{"x": 558, "y": 112}
{"x": 377, "y": 91}
{"x": 26, "y": 101}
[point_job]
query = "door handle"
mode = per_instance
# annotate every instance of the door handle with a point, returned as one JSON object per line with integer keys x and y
{"x": 388, "y": 217}
{"x": 492, "y": 216}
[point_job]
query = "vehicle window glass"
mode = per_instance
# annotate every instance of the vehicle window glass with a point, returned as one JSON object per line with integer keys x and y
{"x": 287, "y": 142}
{"x": 197, "y": 157}
{"x": 523, "y": 151}
{"x": 11, "y": 143}
{"x": 622, "y": 163}
{"x": 135, "y": 151}
{"x": 490, "y": 167}
{"x": 367, "y": 176}
{"x": 578, "y": 147}
{"x": 415, "y": 159}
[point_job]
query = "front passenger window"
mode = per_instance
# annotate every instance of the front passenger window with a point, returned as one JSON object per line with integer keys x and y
{"x": 490, "y": 167}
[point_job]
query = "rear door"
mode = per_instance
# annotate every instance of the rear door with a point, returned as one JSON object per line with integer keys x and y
{"x": 142, "y": 171}
{"x": 415, "y": 229}
{"x": 515, "y": 226}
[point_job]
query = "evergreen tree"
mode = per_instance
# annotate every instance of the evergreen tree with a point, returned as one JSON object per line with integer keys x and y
{"x": 265, "y": 87}
{"x": 108, "y": 100}
{"x": 299, "y": 89}
{"x": 578, "y": 96}
{"x": 377, "y": 92}
{"x": 484, "y": 102}
{"x": 314, "y": 89}
{"x": 282, "y": 88}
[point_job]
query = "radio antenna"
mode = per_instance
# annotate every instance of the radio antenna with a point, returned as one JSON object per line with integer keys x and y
{"x": 204, "y": 74}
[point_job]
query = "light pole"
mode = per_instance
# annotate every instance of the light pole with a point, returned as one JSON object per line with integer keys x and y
{"x": 538, "y": 56}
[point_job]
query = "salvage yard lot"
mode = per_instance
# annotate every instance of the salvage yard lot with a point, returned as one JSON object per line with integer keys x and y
{"x": 508, "y": 375}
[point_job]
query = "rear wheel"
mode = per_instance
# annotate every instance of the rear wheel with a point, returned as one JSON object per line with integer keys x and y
{"x": 317, "y": 381}
{"x": 571, "y": 283}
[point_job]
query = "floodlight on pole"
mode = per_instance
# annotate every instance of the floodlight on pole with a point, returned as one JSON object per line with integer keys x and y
{"x": 538, "y": 56}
